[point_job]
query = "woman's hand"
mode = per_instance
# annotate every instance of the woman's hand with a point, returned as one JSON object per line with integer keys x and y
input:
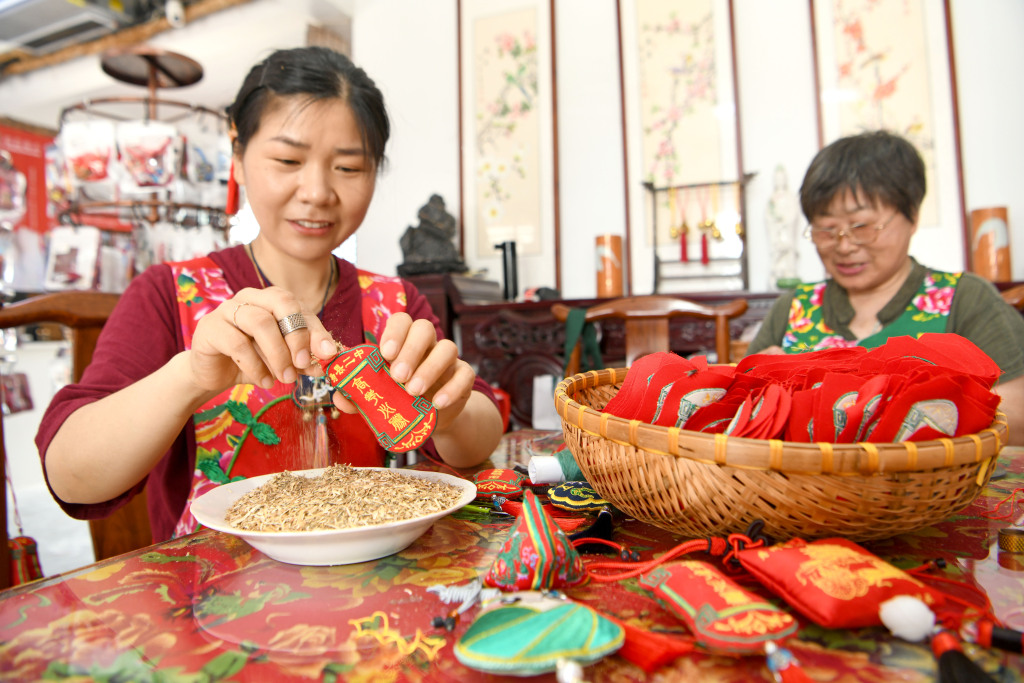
{"x": 240, "y": 342}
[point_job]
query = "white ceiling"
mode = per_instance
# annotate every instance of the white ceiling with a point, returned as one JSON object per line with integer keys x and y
{"x": 226, "y": 44}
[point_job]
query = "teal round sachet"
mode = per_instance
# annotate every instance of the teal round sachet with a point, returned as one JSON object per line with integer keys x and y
{"x": 530, "y": 638}
{"x": 577, "y": 496}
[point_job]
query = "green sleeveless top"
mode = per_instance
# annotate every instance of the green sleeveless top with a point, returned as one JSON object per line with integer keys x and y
{"x": 927, "y": 311}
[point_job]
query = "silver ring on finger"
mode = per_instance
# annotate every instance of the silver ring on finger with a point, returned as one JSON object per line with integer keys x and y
{"x": 290, "y": 323}
{"x": 234, "y": 314}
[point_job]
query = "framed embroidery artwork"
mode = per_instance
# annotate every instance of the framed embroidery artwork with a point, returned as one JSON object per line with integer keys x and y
{"x": 509, "y": 136}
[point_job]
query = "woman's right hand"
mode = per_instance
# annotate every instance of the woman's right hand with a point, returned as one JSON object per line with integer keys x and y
{"x": 240, "y": 342}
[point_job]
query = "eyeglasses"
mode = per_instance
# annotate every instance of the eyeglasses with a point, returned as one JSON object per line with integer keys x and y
{"x": 859, "y": 234}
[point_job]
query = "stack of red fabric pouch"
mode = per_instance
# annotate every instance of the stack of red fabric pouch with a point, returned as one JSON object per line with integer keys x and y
{"x": 938, "y": 385}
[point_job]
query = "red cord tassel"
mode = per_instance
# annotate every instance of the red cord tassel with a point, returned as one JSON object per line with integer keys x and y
{"x": 649, "y": 650}
{"x": 704, "y": 258}
{"x": 231, "y": 205}
{"x": 683, "y": 256}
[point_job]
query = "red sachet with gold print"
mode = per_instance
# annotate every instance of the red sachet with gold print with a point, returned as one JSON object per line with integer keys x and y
{"x": 498, "y": 482}
{"x": 400, "y": 421}
{"x": 722, "y": 615}
{"x": 833, "y": 582}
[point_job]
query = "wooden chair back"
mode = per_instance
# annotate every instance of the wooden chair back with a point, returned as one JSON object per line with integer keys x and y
{"x": 646, "y": 320}
{"x": 83, "y": 314}
{"x": 1015, "y": 297}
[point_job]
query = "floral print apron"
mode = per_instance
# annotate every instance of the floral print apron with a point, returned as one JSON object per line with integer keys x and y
{"x": 267, "y": 423}
{"x": 928, "y": 311}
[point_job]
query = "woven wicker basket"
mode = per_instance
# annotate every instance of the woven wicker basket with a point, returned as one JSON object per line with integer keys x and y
{"x": 697, "y": 484}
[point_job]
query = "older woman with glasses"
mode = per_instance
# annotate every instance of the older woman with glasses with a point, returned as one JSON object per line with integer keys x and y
{"x": 861, "y": 196}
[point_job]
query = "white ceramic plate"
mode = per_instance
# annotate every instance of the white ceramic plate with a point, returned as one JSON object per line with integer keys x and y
{"x": 327, "y": 547}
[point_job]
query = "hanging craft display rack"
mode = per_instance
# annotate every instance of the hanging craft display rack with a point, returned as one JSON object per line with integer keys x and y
{"x": 706, "y": 229}
{"x": 155, "y": 69}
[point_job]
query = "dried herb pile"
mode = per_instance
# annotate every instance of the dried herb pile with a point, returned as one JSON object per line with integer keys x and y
{"x": 342, "y": 497}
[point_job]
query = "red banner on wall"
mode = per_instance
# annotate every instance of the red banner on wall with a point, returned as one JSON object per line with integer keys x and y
{"x": 23, "y": 193}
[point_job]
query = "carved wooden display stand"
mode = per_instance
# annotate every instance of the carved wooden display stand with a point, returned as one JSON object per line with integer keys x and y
{"x": 680, "y": 276}
{"x": 511, "y": 343}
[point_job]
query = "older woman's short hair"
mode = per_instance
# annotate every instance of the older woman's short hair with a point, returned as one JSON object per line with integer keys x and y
{"x": 882, "y": 166}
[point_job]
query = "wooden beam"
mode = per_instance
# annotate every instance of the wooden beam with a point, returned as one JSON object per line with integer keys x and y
{"x": 27, "y": 127}
{"x": 126, "y": 37}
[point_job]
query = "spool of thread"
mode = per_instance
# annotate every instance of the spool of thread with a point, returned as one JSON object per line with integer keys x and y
{"x": 554, "y": 469}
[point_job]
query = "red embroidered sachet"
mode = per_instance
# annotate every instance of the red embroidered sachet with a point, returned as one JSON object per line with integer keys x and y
{"x": 833, "y": 582}
{"x": 715, "y": 418}
{"x": 941, "y": 350}
{"x": 685, "y": 393}
{"x": 872, "y": 398}
{"x": 837, "y": 393}
{"x": 722, "y": 615}
{"x": 763, "y": 414}
{"x": 629, "y": 400}
{"x": 934, "y": 403}
{"x": 400, "y": 421}
{"x": 789, "y": 368}
{"x": 502, "y": 482}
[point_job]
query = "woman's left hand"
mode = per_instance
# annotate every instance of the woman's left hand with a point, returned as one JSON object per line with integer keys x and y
{"x": 427, "y": 367}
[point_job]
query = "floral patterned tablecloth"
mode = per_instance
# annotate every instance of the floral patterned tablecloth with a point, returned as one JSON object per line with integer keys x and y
{"x": 207, "y": 607}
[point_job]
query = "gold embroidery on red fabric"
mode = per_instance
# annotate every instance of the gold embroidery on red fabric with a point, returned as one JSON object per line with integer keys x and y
{"x": 843, "y": 573}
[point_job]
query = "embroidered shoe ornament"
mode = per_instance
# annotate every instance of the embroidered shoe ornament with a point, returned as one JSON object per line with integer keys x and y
{"x": 537, "y": 554}
{"x": 576, "y": 496}
{"x": 399, "y": 421}
{"x": 532, "y": 634}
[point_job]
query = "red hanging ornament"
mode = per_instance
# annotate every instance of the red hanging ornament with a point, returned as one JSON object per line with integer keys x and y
{"x": 231, "y": 205}
{"x": 705, "y": 225}
{"x": 684, "y": 231}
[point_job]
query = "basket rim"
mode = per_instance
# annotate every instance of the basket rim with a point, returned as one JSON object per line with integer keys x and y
{"x": 850, "y": 459}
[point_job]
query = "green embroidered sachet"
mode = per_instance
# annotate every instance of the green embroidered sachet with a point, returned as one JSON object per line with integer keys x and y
{"x": 532, "y": 635}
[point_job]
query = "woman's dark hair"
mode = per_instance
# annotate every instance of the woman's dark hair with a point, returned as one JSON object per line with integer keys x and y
{"x": 884, "y": 167}
{"x": 320, "y": 74}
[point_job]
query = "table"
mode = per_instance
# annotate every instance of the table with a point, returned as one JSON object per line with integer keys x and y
{"x": 209, "y": 607}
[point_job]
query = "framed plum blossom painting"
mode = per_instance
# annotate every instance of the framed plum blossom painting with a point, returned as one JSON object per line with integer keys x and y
{"x": 683, "y": 152}
{"x": 507, "y": 126}
{"x": 889, "y": 65}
